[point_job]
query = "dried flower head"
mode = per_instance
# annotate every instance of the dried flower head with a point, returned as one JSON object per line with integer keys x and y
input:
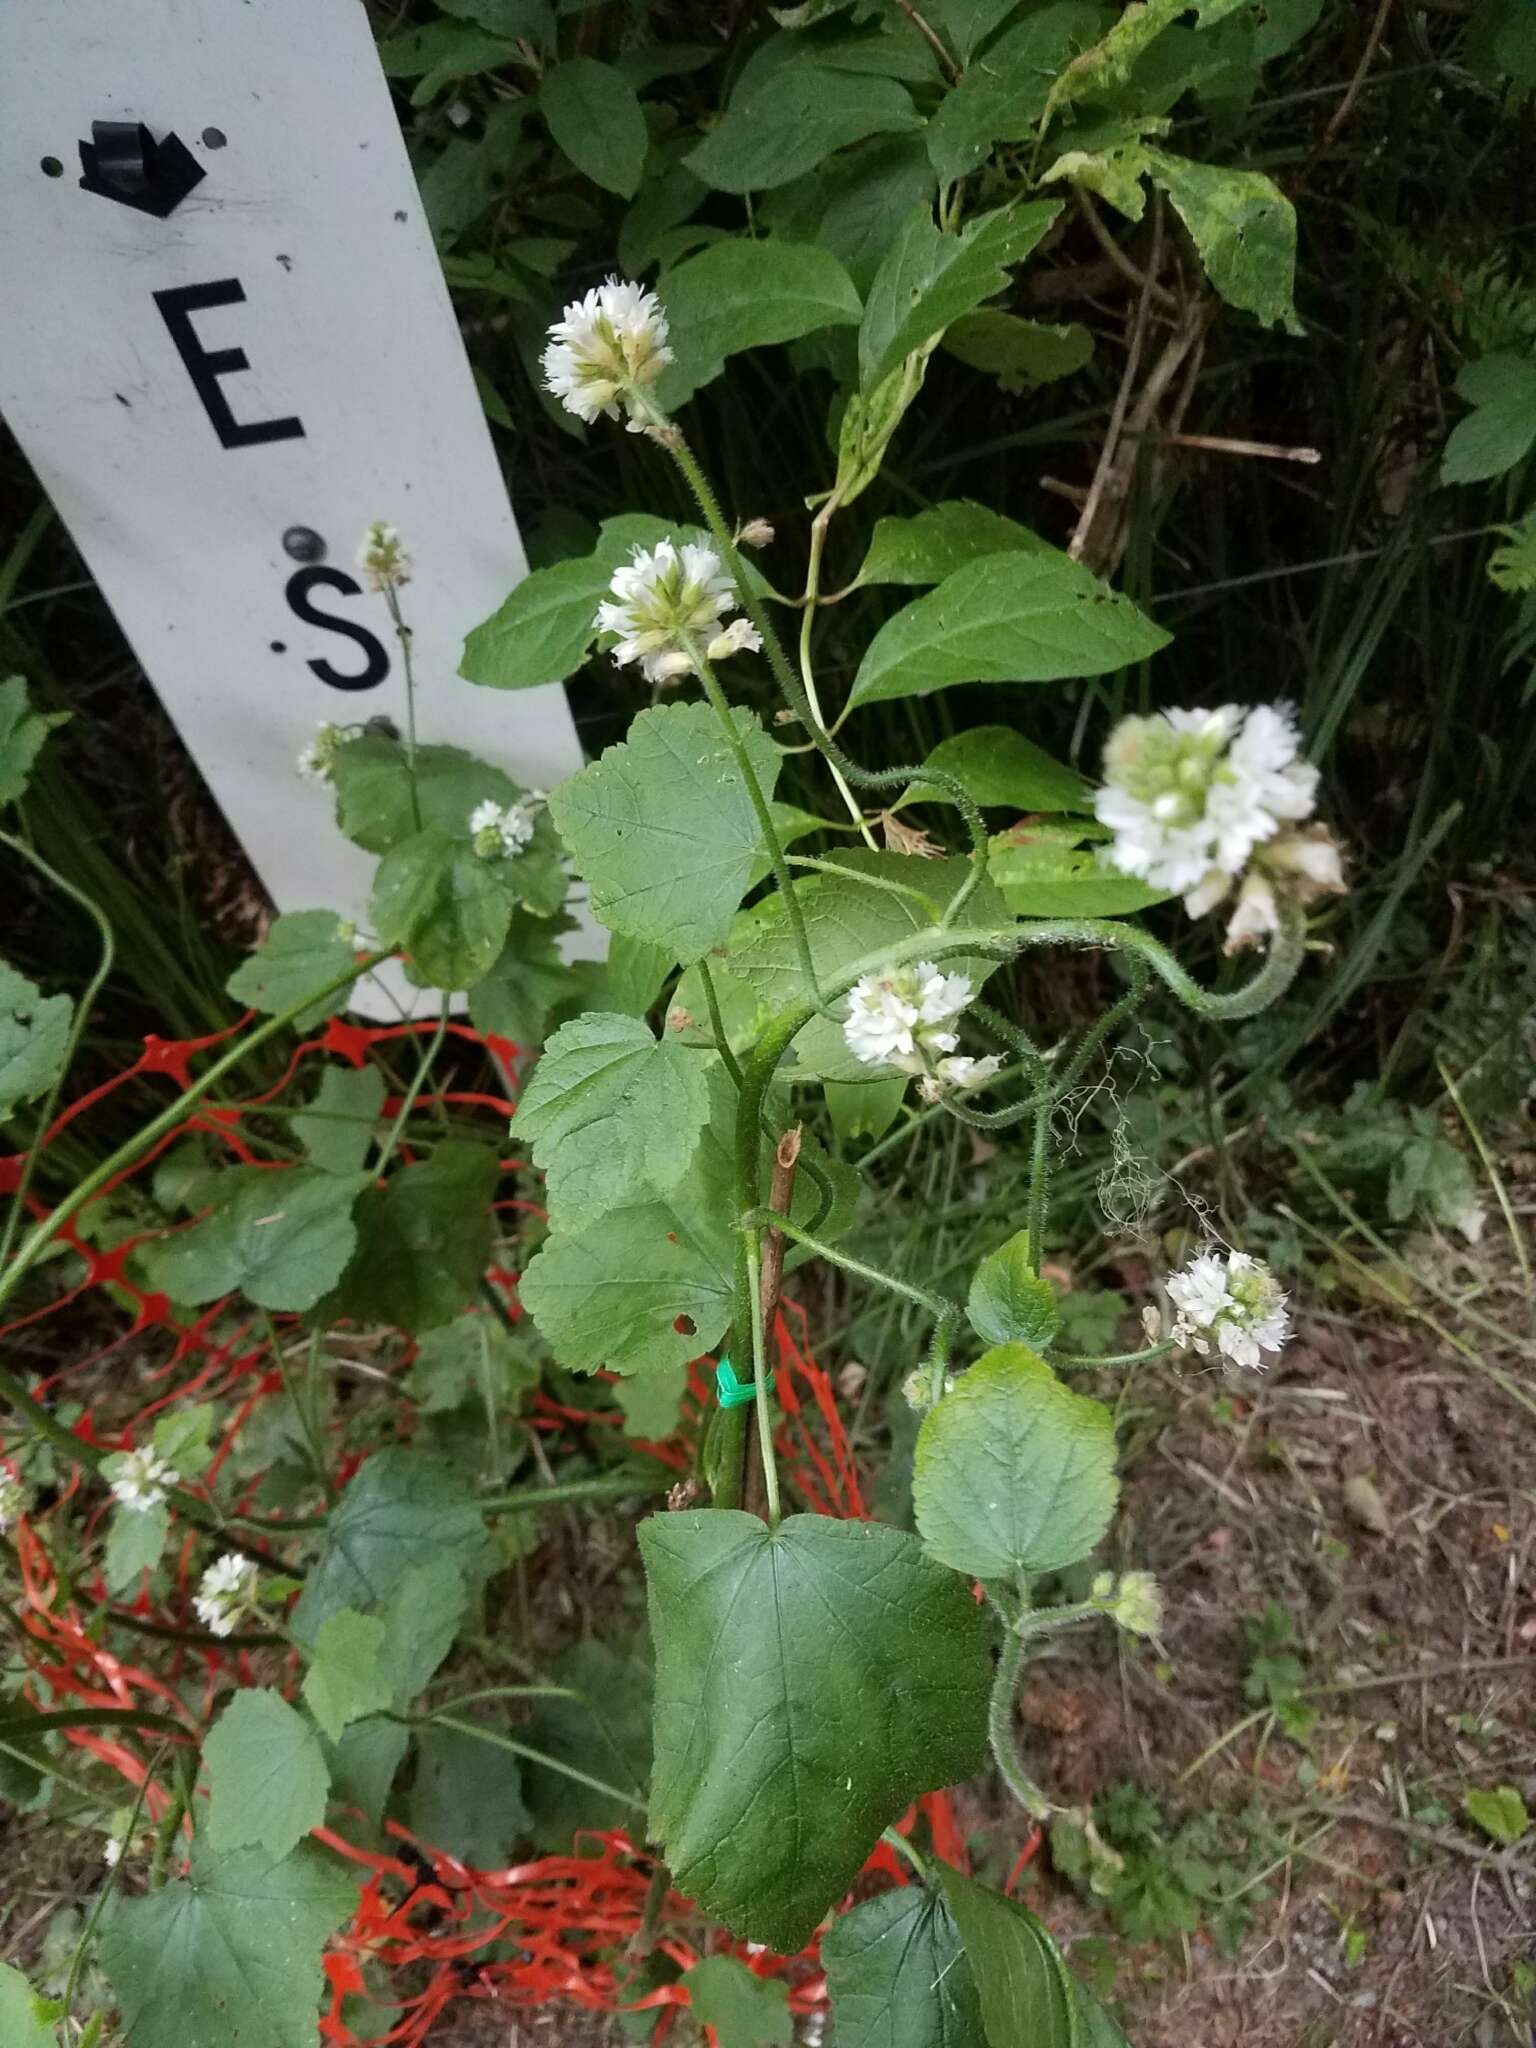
{"x": 665, "y": 601}
{"x": 754, "y": 533}
{"x": 225, "y": 1593}
{"x": 1229, "y": 1306}
{"x": 142, "y": 1480}
{"x": 603, "y": 351}
{"x": 317, "y": 762}
{"x": 383, "y": 558}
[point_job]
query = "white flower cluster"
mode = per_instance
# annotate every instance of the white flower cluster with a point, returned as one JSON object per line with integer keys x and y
{"x": 1200, "y": 801}
{"x": 225, "y": 1593}
{"x": 502, "y": 833}
{"x": 143, "y": 1480}
{"x": 1229, "y": 1307}
{"x": 383, "y": 558}
{"x": 901, "y": 1019}
{"x": 317, "y": 761}
{"x": 13, "y": 1500}
{"x": 665, "y": 601}
{"x": 605, "y": 349}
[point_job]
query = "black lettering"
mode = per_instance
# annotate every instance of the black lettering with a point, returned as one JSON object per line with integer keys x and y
{"x": 300, "y": 584}
{"x": 205, "y": 366}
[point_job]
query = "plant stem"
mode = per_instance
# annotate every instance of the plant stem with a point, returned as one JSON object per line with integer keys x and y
{"x": 98, "y": 1904}
{"x": 810, "y": 601}
{"x": 608, "y": 1486}
{"x": 522, "y": 1749}
{"x": 717, "y": 1024}
{"x": 763, "y": 1390}
{"x": 1112, "y": 1357}
{"x": 946, "y": 1312}
{"x": 301, "y": 1408}
{"x": 1000, "y": 1730}
{"x": 417, "y": 1083}
{"x": 403, "y": 635}
{"x": 1039, "y": 1184}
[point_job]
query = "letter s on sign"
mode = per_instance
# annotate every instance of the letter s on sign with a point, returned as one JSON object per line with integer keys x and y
{"x": 301, "y": 604}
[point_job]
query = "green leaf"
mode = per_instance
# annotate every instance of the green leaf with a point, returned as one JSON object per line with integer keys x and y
{"x": 347, "y": 1679}
{"x": 183, "y": 1436}
{"x": 931, "y": 277}
{"x": 898, "y": 1977}
{"x": 792, "y": 120}
{"x": 1046, "y": 870}
{"x": 605, "y": 1730}
{"x": 1025, "y": 1990}
{"x": 811, "y": 1680}
{"x": 373, "y": 791}
{"x": 22, "y": 733}
{"x": 1501, "y": 40}
{"x": 1009, "y": 1303}
{"x": 423, "y": 1241}
{"x": 473, "y": 1355}
{"x": 34, "y": 1037}
{"x": 427, "y": 1605}
{"x": 865, "y": 1109}
{"x": 1115, "y": 172}
{"x": 436, "y": 897}
{"x": 1014, "y": 1471}
{"x": 135, "y": 1541}
{"x": 530, "y": 20}
{"x": 594, "y": 116}
{"x": 1020, "y": 354}
{"x": 745, "y": 2011}
{"x": 650, "y": 1406}
{"x": 342, "y": 1123}
{"x": 1500, "y": 1813}
{"x": 26, "y": 2021}
{"x": 302, "y": 952}
{"x": 934, "y": 544}
{"x": 280, "y": 1237}
{"x": 636, "y": 972}
{"x": 235, "y": 1944}
{"x": 1244, "y": 229}
{"x": 1002, "y": 98}
{"x": 402, "y": 1510}
{"x": 526, "y": 981}
{"x": 1501, "y": 430}
{"x": 1001, "y": 768}
{"x": 1018, "y": 618}
{"x": 662, "y": 827}
{"x": 467, "y": 1797}
{"x": 848, "y": 205}
{"x": 610, "y": 1113}
{"x": 966, "y": 24}
{"x": 740, "y": 294}
{"x": 268, "y": 1775}
{"x": 363, "y": 1765}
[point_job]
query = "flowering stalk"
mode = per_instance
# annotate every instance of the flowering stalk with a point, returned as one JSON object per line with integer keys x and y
{"x": 386, "y": 566}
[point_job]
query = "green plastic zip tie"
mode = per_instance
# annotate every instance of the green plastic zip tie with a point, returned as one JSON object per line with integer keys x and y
{"x": 733, "y": 1393}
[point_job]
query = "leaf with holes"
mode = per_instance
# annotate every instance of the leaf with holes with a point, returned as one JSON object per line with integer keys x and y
{"x": 1244, "y": 229}
{"x": 1014, "y": 1472}
{"x": 897, "y": 1975}
{"x": 663, "y": 828}
{"x": 281, "y": 1238}
{"x": 236, "y": 1943}
{"x": 811, "y": 1680}
{"x": 611, "y": 1112}
{"x": 268, "y": 1775}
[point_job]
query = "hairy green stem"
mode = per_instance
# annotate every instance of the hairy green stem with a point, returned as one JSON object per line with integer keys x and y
{"x": 1000, "y": 1728}
{"x": 403, "y": 635}
{"x": 717, "y": 1023}
{"x": 413, "y": 1089}
{"x": 606, "y": 1486}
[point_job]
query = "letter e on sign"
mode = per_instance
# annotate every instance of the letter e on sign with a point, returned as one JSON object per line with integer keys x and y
{"x": 224, "y": 360}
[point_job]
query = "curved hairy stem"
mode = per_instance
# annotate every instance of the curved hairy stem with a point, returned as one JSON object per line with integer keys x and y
{"x": 1000, "y": 1729}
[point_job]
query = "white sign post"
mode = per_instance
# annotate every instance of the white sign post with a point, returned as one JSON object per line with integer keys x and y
{"x": 226, "y": 346}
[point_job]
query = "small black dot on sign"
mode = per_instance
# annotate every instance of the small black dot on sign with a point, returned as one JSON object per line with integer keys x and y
{"x": 400, "y": 213}
{"x": 123, "y": 401}
{"x": 214, "y": 138}
{"x": 278, "y": 646}
{"x": 51, "y": 167}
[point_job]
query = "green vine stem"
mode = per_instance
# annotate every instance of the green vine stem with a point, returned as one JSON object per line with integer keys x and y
{"x": 1000, "y": 1728}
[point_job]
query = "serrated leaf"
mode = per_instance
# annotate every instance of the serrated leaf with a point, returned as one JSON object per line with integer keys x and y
{"x": 303, "y": 951}
{"x": 1009, "y": 1302}
{"x": 931, "y": 277}
{"x": 1046, "y": 870}
{"x": 342, "y": 1122}
{"x": 604, "y": 1730}
{"x": 611, "y": 1112}
{"x": 1000, "y": 767}
{"x": 281, "y": 1237}
{"x": 650, "y": 1406}
{"x": 268, "y": 1775}
{"x": 472, "y": 1355}
{"x": 792, "y": 120}
{"x": 427, "y": 1604}
{"x": 777, "y": 1765}
{"x": 447, "y": 907}
{"x": 363, "y": 1765}
{"x": 744, "y": 2010}
{"x": 662, "y": 827}
{"x": 347, "y": 1678}
{"x": 373, "y": 790}
{"x": 403, "y": 1510}
{"x": 467, "y": 1797}
{"x": 26, "y": 2021}
{"x": 22, "y": 733}
{"x": 34, "y": 1037}
{"x": 747, "y": 294}
{"x": 848, "y": 205}
{"x": 1244, "y": 229}
{"x": 1501, "y": 429}
{"x": 931, "y": 545}
{"x": 241, "y": 1936}
{"x": 1014, "y": 1471}
{"x": 183, "y": 1437}
{"x": 594, "y": 116}
{"x": 1015, "y": 618}
{"x": 1002, "y": 97}
{"x": 636, "y": 972}
{"x": 1500, "y": 1813}
{"x": 423, "y": 1241}
{"x": 135, "y": 1542}
{"x": 525, "y": 982}
{"x": 897, "y": 1975}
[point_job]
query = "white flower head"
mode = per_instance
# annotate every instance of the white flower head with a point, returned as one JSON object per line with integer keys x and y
{"x": 225, "y": 1593}
{"x": 143, "y": 1480}
{"x": 959, "y": 1072}
{"x": 13, "y": 1500}
{"x": 739, "y": 637}
{"x": 112, "y": 1851}
{"x": 663, "y": 597}
{"x": 896, "y": 1017}
{"x": 383, "y": 558}
{"x": 1190, "y": 794}
{"x": 317, "y": 762}
{"x": 604, "y": 349}
{"x": 502, "y": 833}
{"x": 1229, "y": 1307}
